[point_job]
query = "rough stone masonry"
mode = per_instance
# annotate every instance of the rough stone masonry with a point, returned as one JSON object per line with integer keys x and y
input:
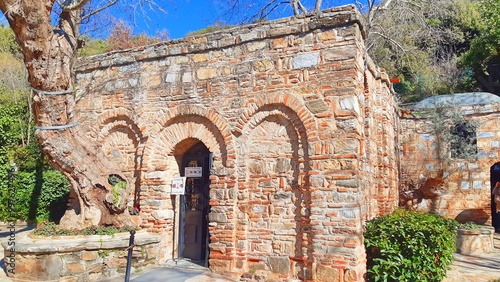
{"x": 300, "y": 125}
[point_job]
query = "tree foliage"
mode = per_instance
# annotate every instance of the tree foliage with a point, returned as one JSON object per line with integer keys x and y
{"x": 219, "y": 25}
{"x": 8, "y": 43}
{"x": 12, "y": 70}
{"x": 33, "y": 191}
{"x": 455, "y": 134}
{"x": 29, "y": 188}
{"x": 121, "y": 37}
{"x": 483, "y": 57}
{"x": 93, "y": 47}
{"x": 420, "y": 42}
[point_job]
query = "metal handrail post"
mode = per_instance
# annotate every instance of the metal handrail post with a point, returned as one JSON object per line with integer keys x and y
{"x": 129, "y": 256}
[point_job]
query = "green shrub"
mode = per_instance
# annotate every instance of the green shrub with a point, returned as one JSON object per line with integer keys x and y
{"x": 51, "y": 229}
{"x": 409, "y": 246}
{"x": 40, "y": 195}
{"x": 93, "y": 47}
{"x": 212, "y": 28}
{"x": 469, "y": 225}
{"x": 33, "y": 190}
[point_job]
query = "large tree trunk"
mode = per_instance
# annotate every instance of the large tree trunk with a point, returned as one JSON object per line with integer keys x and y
{"x": 49, "y": 55}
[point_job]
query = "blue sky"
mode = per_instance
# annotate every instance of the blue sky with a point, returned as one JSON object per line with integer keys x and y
{"x": 184, "y": 16}
{"x": 180, "y": 18}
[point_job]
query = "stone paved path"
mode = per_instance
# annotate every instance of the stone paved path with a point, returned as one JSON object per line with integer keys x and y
{"x": 183, "y": 272}
{"x": 465, "y": 268}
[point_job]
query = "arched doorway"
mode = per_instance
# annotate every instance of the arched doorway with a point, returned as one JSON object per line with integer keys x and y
{"x": 494, "y": 177}
{"x": 194, "y": 208}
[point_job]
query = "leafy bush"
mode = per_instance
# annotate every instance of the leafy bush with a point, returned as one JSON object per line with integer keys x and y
{"x": 469, "y": 225}
{"x": 51, "y": 229}
{"x": 35, "y": 191}
{"x": 40, "y": 195}
{"x": 93, "y": 47}
{"x": 409, "y": 246}
{"x": 216, "y": 27}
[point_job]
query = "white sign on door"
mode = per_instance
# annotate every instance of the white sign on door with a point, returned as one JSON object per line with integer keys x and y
{"x": 178, "y": 186}
{"x": 193, "y": 171}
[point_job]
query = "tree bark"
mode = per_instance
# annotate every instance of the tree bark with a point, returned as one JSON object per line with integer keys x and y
{"x": 49, "y": 55}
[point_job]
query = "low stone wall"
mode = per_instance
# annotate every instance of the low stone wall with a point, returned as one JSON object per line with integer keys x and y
{"x": 78, "y": 258}
{"x": 475, "y": 241}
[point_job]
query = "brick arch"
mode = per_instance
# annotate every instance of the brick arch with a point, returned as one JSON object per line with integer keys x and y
{"x": 303, "y": 123}
{"x": 112, "y": 125}
{"x": 298, "y": 251}
{"x": 217, "y": 139}
{"x": 303, "y": 118}
{"x": 120, "y": 118}
{"x": 304, "y": 133}
{"x": 192, "y": 110}
{"x": 181, "y": 126}
{"x": 492, "y": 162}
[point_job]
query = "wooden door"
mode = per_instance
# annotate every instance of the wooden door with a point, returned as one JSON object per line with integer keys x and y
{"x": 196, "y": 204}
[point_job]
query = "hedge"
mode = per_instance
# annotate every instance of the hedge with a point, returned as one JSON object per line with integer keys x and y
{"x": 409, "y": 246}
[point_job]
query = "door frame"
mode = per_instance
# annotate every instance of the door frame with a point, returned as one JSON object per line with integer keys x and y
{"x": 200, "y": 153}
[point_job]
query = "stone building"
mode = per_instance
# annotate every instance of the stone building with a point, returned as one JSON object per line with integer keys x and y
{"x": 455, "y": 183}
{"x": 285, "y": 132}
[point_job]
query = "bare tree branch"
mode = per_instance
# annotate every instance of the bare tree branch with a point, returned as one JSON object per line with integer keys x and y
{"x": 301, "y": 7}
{"x": 264, "y": 15}
{"x": 265, "y": 10}
{"x": 392, "y": 41}
{"x": 295, "y": 7}
{"x": 98, "y": 10}
{"x": 317, "y": 8}
{"x": 71, "y": 5}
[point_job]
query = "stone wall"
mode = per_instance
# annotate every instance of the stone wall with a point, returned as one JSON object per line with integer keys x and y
{"x": 475, "y": 241}
{"x": 464, "y": 188}
{"x": 78, "y": 258}
{"x": 300, "y": 124}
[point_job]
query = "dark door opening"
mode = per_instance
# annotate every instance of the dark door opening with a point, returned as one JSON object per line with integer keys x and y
{"x": 494, "y": 177}
{"x": 194, "y": 209}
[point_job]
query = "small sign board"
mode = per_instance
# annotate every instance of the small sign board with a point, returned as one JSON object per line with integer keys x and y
{"x": 178, "y": 186}
{"x": 191, "y": 171}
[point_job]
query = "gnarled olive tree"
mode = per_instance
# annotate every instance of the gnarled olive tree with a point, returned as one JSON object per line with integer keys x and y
{"x": 49, "y": 55}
